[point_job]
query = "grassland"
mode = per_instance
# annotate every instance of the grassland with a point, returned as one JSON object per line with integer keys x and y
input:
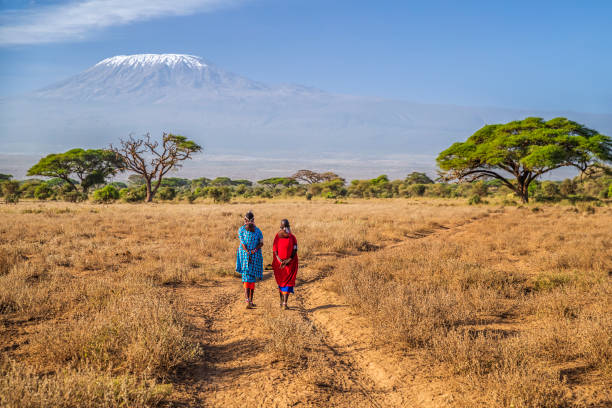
{"x": 406, "y": 301}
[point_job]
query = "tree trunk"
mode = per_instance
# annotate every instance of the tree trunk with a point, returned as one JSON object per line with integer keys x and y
{"x": 523, "y": 193}
{"x": 149, "y": 196}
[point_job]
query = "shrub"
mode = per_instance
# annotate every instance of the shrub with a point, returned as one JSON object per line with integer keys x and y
{"x": 133, "y": 194}
{"x": 550, "y": 189}
{"x": 309, "y": 196}
{"x": 106, "y": 194}
{"x": 43, "y": 192}
{"x": 475, "y": 199}
{"x": 567, "y": 187}
{"x": 73, "y": 196}
{"x": 166, "y": 193}
{"x": 10, "y": 190}
{"x": 220, "y": 194}
{"x": 417, "y": 189}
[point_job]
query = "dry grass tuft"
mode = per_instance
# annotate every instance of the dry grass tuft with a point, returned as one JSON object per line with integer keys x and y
{"x": 291, "y": 337}
{"x": 20, "y": 386}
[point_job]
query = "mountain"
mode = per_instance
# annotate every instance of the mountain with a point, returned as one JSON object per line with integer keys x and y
{"x": 258, "y": 129}
{"x": 159, "y": 78}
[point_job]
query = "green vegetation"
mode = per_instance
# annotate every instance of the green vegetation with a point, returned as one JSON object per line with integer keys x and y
{"x": 524, "y": 149}
{"x": 91, "y": 167}
{"x": 483, "y": 165}
{"x": 594, "y": 187}
{"x": 106, "y": 194}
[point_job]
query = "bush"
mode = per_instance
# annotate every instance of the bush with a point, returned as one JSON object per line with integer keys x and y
{"x": 475, "y": 199}
{"x": 309, "y": 196}
{"x": 417, "y": 189}
{"x": 43, "y": 192}
{"x": 10, "y": 190}
{"x": 166, "y": 193}
{"x": 133, "y": 194}
{"x": 567, "y": 187}
{"x": 106, "y": 194}
{"x": 73, "y": 196}
{"x": 220, "y": 194}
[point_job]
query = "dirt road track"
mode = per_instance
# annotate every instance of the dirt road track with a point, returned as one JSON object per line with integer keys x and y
{"x": 351, "y": 371}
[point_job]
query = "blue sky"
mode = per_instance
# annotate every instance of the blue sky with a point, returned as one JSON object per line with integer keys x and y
{"x": 524, "y": 54}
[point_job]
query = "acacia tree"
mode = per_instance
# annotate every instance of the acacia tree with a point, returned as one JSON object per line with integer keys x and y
{"x": 153, "y": 160}
{"x": 278, "y": 181}
{"x": 312, "y": 177}
{"x": 518, "y": 152}
{"x": 90, "y": 167}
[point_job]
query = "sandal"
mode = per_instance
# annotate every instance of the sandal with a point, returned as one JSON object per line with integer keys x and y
{"x": 284, "y": 306}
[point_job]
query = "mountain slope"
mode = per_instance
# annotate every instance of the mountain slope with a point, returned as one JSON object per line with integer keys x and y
{"x": 159, "y": 77}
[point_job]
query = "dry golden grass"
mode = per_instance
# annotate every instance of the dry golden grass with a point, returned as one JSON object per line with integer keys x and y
{"x": 514, "y": 307}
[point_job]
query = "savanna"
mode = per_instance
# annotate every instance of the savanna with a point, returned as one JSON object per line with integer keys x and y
{"x": 399, "y": 302}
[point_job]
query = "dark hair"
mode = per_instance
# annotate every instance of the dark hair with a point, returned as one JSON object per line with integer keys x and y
{"x": 285, "y": 223}
{"x": 249, "y": 216}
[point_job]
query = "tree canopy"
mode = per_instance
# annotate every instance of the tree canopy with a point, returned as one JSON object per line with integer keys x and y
{"x": 518, "y": 152}
{"x": 311, "y": 177}
{"x": 273, "y": 182}
{"x": 90, "y": 167}
{"x": 418, "y": 178}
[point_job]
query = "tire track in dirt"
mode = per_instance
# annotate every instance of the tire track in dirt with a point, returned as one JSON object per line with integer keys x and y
{"x": 236, "y": 369}
{"x": 385, "y": 374}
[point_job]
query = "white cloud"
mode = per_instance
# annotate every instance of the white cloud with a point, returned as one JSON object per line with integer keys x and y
{"x": 74, "y": 21}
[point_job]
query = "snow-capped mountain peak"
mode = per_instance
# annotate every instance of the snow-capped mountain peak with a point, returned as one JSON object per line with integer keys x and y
{"x": 141, "y": 60}
{"x": 155, "y": 78}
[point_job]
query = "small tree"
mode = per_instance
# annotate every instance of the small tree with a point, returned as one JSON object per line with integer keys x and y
{"x": 153, "y": 160}
{"x": 307, "y": 176}
{"x": 524, "y": 150}
{"x": 90, "y": 167}
{"x": 4, "y": 177}
{"x": 274, "y": 182}
{"x": 418, "y": 178}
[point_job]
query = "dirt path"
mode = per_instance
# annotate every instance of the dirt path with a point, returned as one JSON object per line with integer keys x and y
{"x": 343, "y": 369}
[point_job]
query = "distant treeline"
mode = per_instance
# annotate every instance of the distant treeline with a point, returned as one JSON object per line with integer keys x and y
{"x": 501, "y": 159}
{"x": 308, "y": 185}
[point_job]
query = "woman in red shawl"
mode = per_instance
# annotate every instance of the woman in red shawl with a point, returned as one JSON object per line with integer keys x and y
{"x": 285, "y": 262}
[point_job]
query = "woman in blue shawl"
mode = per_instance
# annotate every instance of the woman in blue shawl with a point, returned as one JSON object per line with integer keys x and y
{"x": 249, "y": 260}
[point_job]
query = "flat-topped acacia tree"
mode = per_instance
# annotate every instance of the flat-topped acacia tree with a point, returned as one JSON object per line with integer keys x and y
{"x": 518, "y": 152}
{"x": 153, "y": 160}
{"x": 90, "y": 167}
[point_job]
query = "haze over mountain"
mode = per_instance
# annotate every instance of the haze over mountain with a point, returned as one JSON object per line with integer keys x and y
{"x": 255, "y": 128}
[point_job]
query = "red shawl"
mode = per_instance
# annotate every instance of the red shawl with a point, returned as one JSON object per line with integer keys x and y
{"x": 283, "y": 245}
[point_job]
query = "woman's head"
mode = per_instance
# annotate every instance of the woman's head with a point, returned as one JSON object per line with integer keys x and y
{"x": 285, "y": 225}
{"x": 249, "y": 217}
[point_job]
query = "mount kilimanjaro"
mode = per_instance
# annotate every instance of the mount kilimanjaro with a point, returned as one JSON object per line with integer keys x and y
{"x": 239, "y": 118}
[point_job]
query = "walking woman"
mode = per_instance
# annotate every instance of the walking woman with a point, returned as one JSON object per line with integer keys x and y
{"x": 249, "y": 260}
{"x": 285, "y": 262}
